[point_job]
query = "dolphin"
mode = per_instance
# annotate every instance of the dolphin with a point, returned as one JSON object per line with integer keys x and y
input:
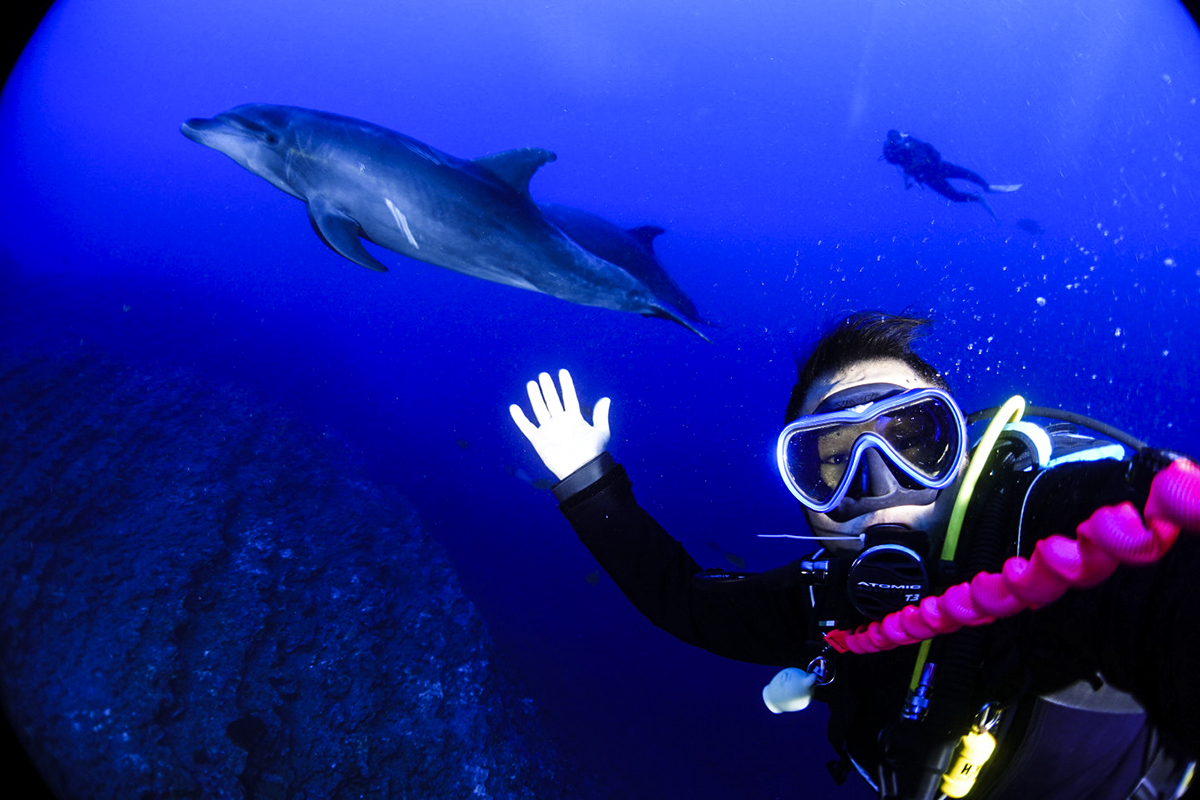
{"x": 632, "y": 249}
{"x": 363, "y": 181}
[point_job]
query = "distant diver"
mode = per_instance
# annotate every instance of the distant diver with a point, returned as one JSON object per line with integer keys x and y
{"x": 922, "y": 163}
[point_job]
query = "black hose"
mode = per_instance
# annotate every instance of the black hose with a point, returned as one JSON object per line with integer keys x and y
{"x": 1115, "y": 434}
{"x": 952, "y": 708}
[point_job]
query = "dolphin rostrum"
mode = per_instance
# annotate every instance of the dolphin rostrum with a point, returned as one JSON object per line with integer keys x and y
{"x": 362, "y": 181}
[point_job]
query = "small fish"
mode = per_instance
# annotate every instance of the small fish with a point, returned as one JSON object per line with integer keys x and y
{"x": 463, "y": 444}
{"x": 592, "y": 577}
{"x": 543, "y": 484}
{"x": 1030, "y": 226}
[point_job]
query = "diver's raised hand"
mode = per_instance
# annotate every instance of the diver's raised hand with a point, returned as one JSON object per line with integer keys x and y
{"x": 562, "y": 438}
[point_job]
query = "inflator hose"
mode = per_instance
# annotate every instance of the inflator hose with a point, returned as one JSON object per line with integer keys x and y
{"x": 959, "y": 662}
{"x": 954, "y": 704}
{"x": 1111, "y": 536}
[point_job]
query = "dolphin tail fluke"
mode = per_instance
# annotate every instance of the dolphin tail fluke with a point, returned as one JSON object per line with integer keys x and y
{"x": 1004, "y": 187}
{"x": 340, "y": 233}
{"x": 668, "y": 314}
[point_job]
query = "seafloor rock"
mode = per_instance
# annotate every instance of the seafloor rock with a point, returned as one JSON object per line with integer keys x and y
{"x": 199, "y": 598}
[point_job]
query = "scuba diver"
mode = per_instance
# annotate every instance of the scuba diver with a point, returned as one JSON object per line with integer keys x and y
{"x": 934, "y": 689}
{"x": 921, "y": 162}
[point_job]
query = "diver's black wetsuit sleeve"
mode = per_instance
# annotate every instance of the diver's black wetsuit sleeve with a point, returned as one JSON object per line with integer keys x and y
{"x": 760, "y": 618}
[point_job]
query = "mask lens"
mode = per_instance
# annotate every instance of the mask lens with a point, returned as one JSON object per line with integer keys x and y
{"x": 817, "y": 459}
{"x": 925, "y": 435}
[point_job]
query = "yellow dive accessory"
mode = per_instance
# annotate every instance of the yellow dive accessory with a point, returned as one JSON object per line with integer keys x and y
{"x": 974, "y": 750}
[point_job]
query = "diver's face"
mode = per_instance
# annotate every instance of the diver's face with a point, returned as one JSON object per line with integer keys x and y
{"x": 931, "y": 518}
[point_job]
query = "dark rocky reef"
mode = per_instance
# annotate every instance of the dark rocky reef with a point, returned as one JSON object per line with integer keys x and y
{"x": 199, "y": 597}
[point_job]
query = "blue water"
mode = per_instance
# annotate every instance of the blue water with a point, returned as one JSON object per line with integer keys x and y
{"x": 751, "y": 132}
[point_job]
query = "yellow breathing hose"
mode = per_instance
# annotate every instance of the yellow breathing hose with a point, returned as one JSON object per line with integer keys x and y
{"x": 1011, "y": 411}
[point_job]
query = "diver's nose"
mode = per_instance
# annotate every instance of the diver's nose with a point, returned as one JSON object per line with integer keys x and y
{"x": 874, "y": 477}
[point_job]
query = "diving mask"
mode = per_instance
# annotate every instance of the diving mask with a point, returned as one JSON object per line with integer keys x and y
{"x": 917, "y": 436}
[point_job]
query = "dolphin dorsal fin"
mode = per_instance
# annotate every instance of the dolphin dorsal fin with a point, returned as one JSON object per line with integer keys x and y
{"x": 646, "y": 234}
{"x": 516, "y": 167}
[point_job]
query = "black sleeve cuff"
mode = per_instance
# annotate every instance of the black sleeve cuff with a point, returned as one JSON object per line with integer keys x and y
{"x": 585, "y": 476}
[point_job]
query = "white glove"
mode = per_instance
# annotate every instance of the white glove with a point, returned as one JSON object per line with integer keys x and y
{"x": 562, "y": 437}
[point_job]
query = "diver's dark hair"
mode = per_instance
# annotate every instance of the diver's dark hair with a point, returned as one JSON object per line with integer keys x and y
{"x": 862, "y": 336}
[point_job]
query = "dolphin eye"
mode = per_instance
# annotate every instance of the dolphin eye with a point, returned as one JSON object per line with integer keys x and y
{"x": 272, "y": 139}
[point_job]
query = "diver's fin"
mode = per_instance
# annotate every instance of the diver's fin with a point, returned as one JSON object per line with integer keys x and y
{"x": 340, "y": 232}
{"x": 984, "y": 203}
{"x": 1004, "y": 187}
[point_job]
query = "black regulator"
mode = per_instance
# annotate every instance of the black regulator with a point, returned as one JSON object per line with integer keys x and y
{"x": 888, "y": 574}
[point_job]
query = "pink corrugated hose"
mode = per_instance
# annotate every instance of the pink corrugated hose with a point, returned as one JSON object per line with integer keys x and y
{"x": 1113, "y": 535}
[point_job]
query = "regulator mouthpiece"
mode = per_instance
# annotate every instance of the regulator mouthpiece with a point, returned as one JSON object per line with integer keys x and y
{"x": 790, "y": 690}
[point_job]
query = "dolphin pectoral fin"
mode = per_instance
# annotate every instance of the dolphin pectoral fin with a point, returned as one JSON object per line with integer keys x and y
{"x": 340, "y": 232}
{"x": 516, "y": 167}
{"x": 1004, "y": 187}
